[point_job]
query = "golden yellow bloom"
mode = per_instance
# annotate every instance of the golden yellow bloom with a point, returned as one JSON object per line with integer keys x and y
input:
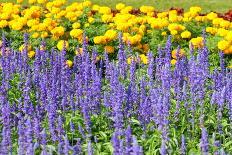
{"x": 61, "y": 43}
{"x": 174, "y": 53}
{"x": 173, "y": 61}
{"x": 105, "y": 10}
{"x": 3, "y": 23}
{"x": 164, "y": 33}
{"x": 229, "y": 36}
{"x": 211, "y": 15}
{"x": 195, "y": 9}
{"x": 197, "y": 42}
{"x": 111, "y": 34}
{"x": 222, "y": 32}
{"x": 211, "y": 30}
{"x": 75, "y": 33}
{"x": 35, "y": 35}
{"x": 100, "y": 40}
{"x": 90, "y": 19}
{"x": 109, "y": 49}
{"x": 223, "y": 44}
{"x": 147, "y": 9}
{"x": 31, "y": 54}
{"x": 186, "y": 34}
{"x": 58, "y": 31}
{"x": 95, "y": 7}
{"x": 41, "y": 1}
{"x": 44, "y": 34}
{"x": 106, "y": 18}
{"x": 143, "y": 58}
{"x": 69, "y": 63}
{"x": 120, "y": 6}
{"x": 76, "y": 25}
{"x": 174, "y": 32}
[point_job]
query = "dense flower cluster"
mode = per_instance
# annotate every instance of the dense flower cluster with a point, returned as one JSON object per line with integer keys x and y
{"x": 142, "y": 28}
{"x": 91, "y": 106}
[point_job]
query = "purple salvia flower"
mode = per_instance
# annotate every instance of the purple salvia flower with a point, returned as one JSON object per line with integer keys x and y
{"x": 222, "y": 62}
{"x": 37, "y": 128}
{"x": 128, "y": 140}
{"x": 29, "y": 137}
{"x": 151, "y": 66}
{"x": 183, "y": 145}
{"x": 44, "y": 142}
{"x": 204, "y": 142}
{"x": 77, "y": 148}
{"x": 21, "y": 135}
{"x": 122, "y": 65}
{"x": 116, "y": 143}
{"x": 66, "y": 146}
{"x": 89, "y": 148}
{"x": 5, "y": 146}
{"x": 163, "y": 149}
{"x": 136, "y": 149}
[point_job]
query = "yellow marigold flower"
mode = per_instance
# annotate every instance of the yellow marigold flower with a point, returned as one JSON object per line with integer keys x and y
{"x": 126, "y": 10}
{"x": 186, "y": 34}
{"x": 146, "y": 9}
{"x": 69, "y": 63}
{"x": 35, "y": 35}
{"x": 105, "y": 10}
{"x": 225, "y": 24}
{"x": 75, "y": 33}
{"x": 197, "y": 42}
{"x": 223, "y": 44}
{"x": 3, "y": 23}
{"x": 106, "y": 18}
{"x": 58, "y": 31}
{"x": 120, "y": 6}
{"x": 109, "y": 49}
{"x": 95, "y": 7}
{"x": 31, "y": 54}
{"x": 173, "y": 61}
{"x": 61, "y": 43}
{"x": 195, "y": 9}
{"x": 164, "y": 33}
{"x": 211, "y": 30}
{"x": 222, "y": 32}
{"x": 174, "y": 53}
{"x": 230, "y": 67}
{"x": 44, "y": 34}
{"x": 211, "y": 16}
{"x": 99, "y": 40}
{"x": 87, "y": 3}
{"x": 17, "y": 26}
{"x": 111, "y": 34}
{"x": 76, "y": 25}
{"x": 90, "y": 19}
{"x": 174, "y": 32}
{"x": 229, "y": 36}
{"x": 143, "y": 58}
{"x": 41, "y": 1}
